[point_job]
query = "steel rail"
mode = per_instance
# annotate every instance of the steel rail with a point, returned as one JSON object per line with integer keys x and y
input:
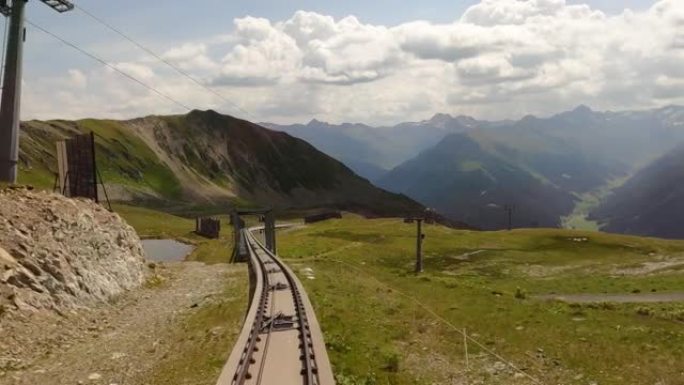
{"x": 246, "y": 359}
{"x": 309, "y": 370}
{"x": 270, "y": 325}
{"x": 261, "y": 352}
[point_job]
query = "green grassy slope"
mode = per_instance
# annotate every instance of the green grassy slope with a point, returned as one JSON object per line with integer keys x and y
{"x": 383, "y": 324}
{"x": 122, "y": 157}
{"x": 155, "y": 224}
{"x": 202, "y": 161}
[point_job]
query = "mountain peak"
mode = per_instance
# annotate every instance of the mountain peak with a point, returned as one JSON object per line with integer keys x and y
{"x": 528, "y": 118}
{"x": 198, "y": 112}
{"x": 583, "y": 108}
{"x": 209, "y": 116}
{"x": 580, "y": 113}
{"x": 315, "y": 122}
{"x": 440, "y": 118}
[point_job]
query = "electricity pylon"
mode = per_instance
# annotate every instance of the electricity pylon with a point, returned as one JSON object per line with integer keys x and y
{"x": 10, "y": 107}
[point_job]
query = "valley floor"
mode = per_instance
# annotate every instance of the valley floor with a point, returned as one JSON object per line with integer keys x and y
{"x": 579, "y": 218}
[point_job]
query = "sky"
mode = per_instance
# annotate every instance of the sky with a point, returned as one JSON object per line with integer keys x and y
{"x": 379, "y": 62}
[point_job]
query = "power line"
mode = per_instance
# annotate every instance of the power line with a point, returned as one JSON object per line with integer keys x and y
{"x": 161, "y": 59}
{"x": 104, "y": 62}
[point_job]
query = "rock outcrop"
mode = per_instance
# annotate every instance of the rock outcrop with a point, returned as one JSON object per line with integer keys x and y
{"x": 58, "y": 253}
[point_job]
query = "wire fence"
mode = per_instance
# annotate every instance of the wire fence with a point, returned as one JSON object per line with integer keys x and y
{"x": 461, "y": 330}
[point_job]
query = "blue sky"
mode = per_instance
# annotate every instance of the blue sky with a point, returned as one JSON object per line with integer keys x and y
{"x": 165, "y": 25}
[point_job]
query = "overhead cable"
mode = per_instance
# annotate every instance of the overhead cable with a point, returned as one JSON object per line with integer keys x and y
{"x": 109, "y": 65}
{"x": 161, "y": 59}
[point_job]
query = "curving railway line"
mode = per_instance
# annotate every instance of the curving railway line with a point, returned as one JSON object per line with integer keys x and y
{"x": 281, "y": 342}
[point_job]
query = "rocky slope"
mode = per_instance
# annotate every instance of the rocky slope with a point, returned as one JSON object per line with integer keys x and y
{"x": 208, "y": 159}
{"x": 57, "y": 253}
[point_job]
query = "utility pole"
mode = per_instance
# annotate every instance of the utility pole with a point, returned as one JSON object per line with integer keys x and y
{"x": 428, "y": 218}
{"x": 509, "y": 211}
{"x": 10, "y": 107}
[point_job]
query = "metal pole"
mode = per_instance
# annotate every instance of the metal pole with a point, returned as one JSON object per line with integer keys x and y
{"x": 236, "y": 227}
{"x": 510, "y": 218}
{"x": 92, "y": 152}
{"x": 274, "y": 248}
{"x": 269, "y": 231}
{"x": 11, "y": 95}
{"x": 419, "y": 246}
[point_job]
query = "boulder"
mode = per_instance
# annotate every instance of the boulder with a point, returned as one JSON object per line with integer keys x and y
{"x": 58, "y": 252}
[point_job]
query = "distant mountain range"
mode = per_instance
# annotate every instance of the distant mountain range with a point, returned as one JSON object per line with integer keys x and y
{"x": 470, "y": 169}
{"x": 462, "y": 179}
{"x": 207, "y": 159}
{"x": 372, "y": 151}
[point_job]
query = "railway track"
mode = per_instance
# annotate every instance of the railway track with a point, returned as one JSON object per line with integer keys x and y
{"x": 281, "y": 342}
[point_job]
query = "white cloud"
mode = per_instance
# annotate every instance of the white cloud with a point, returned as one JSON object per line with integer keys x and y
{"x": 501, "y": 58}
{"x": 78, "y": 79}
{"x": 137, "y": 70}
{"x": 501, "y": 12}
{"x": 191, "y": 56}
{"x": 262, "y": 56}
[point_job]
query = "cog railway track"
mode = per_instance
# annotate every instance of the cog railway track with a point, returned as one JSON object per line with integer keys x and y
{"x": 281, "y": 342}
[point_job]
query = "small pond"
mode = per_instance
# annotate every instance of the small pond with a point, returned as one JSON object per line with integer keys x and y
{"x": 619, "y": 298}
{"x": 166, "y": 250}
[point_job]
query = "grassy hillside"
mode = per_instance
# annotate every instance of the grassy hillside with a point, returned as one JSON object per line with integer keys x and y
{"x": 123, "y": 158}
{"x": 202, "y": 161}
{"x": 650, "y": 203}
{"x": 155, "y": 224}
{"x": 383, "y": 324}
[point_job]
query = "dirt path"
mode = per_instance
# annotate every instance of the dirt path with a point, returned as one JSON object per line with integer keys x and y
{"x": 618, "y": 298}
{"x": 192, "y": 313}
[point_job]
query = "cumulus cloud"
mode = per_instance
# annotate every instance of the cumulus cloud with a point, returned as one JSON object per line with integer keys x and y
{"x": 191, "y": 56}
{"x": 262, "y": 55}
{"x": 503, "y": 12}
{"x": 500, "y": 59}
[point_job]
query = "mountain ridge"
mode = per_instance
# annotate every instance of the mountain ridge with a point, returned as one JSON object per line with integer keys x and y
{"x": 208, "y": 159}
{"x": 651, "y": 203}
